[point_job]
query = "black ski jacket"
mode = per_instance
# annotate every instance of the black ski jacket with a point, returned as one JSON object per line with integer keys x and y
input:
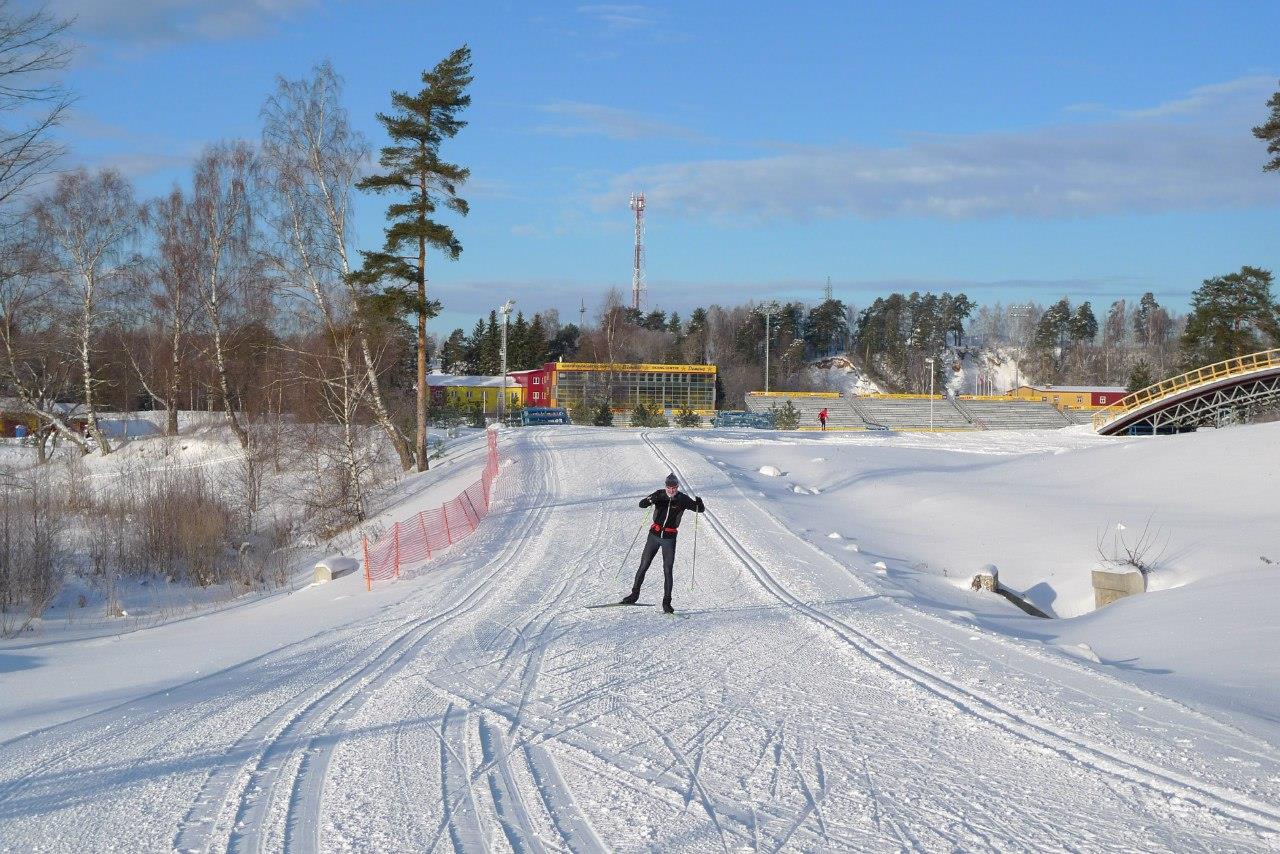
{"x": 667, "y": 511}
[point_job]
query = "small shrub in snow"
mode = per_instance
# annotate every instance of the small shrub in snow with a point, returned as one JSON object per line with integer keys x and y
{"x": 603, "y": 415}
{"x": 688, "y": 418}
{"x": 32, "y": 528}
{"x": 786, "y": 417}
{"x": 1143, "y": 552}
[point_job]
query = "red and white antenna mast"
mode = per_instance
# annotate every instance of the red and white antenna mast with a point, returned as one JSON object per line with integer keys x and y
{"x": 637, "y": 271}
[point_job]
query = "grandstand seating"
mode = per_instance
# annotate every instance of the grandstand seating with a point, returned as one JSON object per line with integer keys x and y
{"x": 1013, "y": 414}
{"x": 839, "y": 412}
{"x": 1079, "y": 416}
{"x": 912, "y": 413}
{"x": 894, "y": 412}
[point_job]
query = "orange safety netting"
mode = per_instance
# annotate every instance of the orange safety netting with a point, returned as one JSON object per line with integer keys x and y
{"x": 413, "y": 540}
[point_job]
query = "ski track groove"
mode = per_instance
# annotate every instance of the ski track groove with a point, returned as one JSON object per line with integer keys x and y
{"x": 518, "y": 667}
{"x": 281, "y": 734}
{"x": 1164, "y": 781}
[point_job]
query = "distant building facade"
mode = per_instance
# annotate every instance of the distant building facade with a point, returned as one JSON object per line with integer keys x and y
{"x": 1071, "y": 396}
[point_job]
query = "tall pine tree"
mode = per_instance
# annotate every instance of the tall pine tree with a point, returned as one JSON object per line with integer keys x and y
{"x": 413, "y": 167}
{"x": 537, "y": 343}
{"x": 1269, "y": 132}
{"x": 1231, "y": 315}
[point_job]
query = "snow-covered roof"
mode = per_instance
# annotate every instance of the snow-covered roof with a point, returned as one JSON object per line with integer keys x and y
{"x": 14, "y": 404}
{"x": 465, "y": 380}
{"x": 1077, "y": 389}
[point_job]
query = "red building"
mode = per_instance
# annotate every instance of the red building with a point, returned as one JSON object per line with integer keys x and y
{"x": 537, "y": 384}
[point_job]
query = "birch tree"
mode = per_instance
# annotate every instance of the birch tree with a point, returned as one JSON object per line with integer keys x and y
{"x": 89, "y": 222}
{"x": 35, "y": 341}
{"x": 223, "y": 217}
{"x": 313, "y": 158}
{"x": 158, "y": 350}
{"x": 32, "y": 102}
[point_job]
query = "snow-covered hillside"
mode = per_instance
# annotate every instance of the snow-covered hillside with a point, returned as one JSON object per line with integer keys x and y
{"x": 984, "y": 371}
{"x": 839, "y": 373}
{"x": 825, "y": 687}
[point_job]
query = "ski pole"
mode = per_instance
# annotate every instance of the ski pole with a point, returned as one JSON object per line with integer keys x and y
{"x": 693, "y": 576}
{"x": 622, "y": 569}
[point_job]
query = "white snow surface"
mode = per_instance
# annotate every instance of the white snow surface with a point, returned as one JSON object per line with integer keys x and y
{"x": 800, "y": 701}
{"x": 839, "y": 373}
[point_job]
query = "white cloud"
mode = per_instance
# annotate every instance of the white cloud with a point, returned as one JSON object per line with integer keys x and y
{"x": 585, "y": 119}
{"x": 160, "y": 22}
{"x": 1193, "y": 153}
{"x": 620, "y": 16}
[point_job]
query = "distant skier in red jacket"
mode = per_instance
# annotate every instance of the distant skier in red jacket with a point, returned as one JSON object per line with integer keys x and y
{"x": 822, "y": 417}
{"x": 668, "y": 506}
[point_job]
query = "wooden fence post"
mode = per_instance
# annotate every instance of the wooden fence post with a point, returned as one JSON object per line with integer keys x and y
{"x": 368, "y": 579}
{"x": 395, "y": 532}
{"x": 425, "y": 538}
{"x": 444, "y": 511}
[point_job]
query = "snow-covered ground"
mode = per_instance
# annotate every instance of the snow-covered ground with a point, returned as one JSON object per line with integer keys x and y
{"x": 811, "y": 696}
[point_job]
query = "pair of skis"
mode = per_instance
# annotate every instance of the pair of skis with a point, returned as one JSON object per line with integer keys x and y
{"x": 628, "y": 605}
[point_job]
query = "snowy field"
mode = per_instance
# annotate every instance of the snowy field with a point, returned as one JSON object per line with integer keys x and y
{"x": 831, "y": 682}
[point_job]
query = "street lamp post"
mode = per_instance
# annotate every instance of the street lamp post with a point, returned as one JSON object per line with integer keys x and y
{"x": 505, "y": 310}
{"x": 929, "y": 362}
{"x": 769, "y": 309}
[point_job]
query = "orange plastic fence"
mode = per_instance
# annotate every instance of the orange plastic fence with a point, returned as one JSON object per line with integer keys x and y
{"x": 412, "y": 541}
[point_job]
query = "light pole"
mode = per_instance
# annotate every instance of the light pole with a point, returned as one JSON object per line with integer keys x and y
{"x": 929, "y": 362}
{"x": 505, "y": 310}
{"x": 769, "y": 309}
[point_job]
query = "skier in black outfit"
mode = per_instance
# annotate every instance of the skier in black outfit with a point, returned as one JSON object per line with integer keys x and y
{"x": 668, "y": 505}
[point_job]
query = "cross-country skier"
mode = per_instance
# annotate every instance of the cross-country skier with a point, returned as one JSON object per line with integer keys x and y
{"x": 668, "y": 505}
{"x": 822, "y": 416}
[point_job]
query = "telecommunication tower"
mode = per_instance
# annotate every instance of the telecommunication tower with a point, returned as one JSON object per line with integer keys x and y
{"x": 637, "y": 270}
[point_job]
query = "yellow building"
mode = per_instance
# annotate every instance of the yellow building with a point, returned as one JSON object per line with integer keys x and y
{"x": 624, "y": 385}
{"x": 463, "y": 391}
{"x": 1071, "y": 396}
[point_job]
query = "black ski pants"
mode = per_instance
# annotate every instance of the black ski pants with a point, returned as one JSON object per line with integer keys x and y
{"x": 651, "y": 546}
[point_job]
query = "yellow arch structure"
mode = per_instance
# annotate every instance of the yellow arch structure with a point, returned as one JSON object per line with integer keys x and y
{"x": 1206, "y": 376}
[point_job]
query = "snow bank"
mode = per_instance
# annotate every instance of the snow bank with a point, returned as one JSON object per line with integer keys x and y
{"x": 928, "y": 511}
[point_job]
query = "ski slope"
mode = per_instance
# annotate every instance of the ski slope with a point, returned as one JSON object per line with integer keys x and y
{"x": 799, "y": 703}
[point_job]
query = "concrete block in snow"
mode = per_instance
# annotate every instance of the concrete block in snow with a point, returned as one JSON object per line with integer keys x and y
{"x": 1115, "y": 581}
{"x": 335, "y": 567}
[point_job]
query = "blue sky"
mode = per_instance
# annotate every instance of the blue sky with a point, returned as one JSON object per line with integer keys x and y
{"x": 1011, "y": 150}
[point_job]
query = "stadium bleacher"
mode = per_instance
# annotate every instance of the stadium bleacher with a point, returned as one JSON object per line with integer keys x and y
{"x": 911, "y": 412}
{"x": 1079, "y": 416}
{"x": 1012, "y": 414}
{"x": 839, "y": 412}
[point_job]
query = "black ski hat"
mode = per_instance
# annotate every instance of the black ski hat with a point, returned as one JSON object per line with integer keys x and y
{"x": 672, "y": 480}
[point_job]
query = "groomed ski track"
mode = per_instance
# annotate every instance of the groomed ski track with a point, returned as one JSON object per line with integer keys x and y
{"x": 803, "y": 706}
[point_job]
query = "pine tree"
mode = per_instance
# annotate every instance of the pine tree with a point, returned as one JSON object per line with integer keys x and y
{"x": 1269, "y": 132}
{"x": 536, "y": 343}
{"x": 686, "y": 417}
{"x": 785, "y": 417}
{"x": 1139, "y": 378}
{"x": 1232, "y": 315}
{"x": 413, "y": 167}
{"x": 453, "y": 353}
{"x": 1083, "y": 326}
{"x": 518, "y": 344}
{"x": 491, "y": 347}
{"x": 475, "y": 348}
{"x": 603, "y": 415}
